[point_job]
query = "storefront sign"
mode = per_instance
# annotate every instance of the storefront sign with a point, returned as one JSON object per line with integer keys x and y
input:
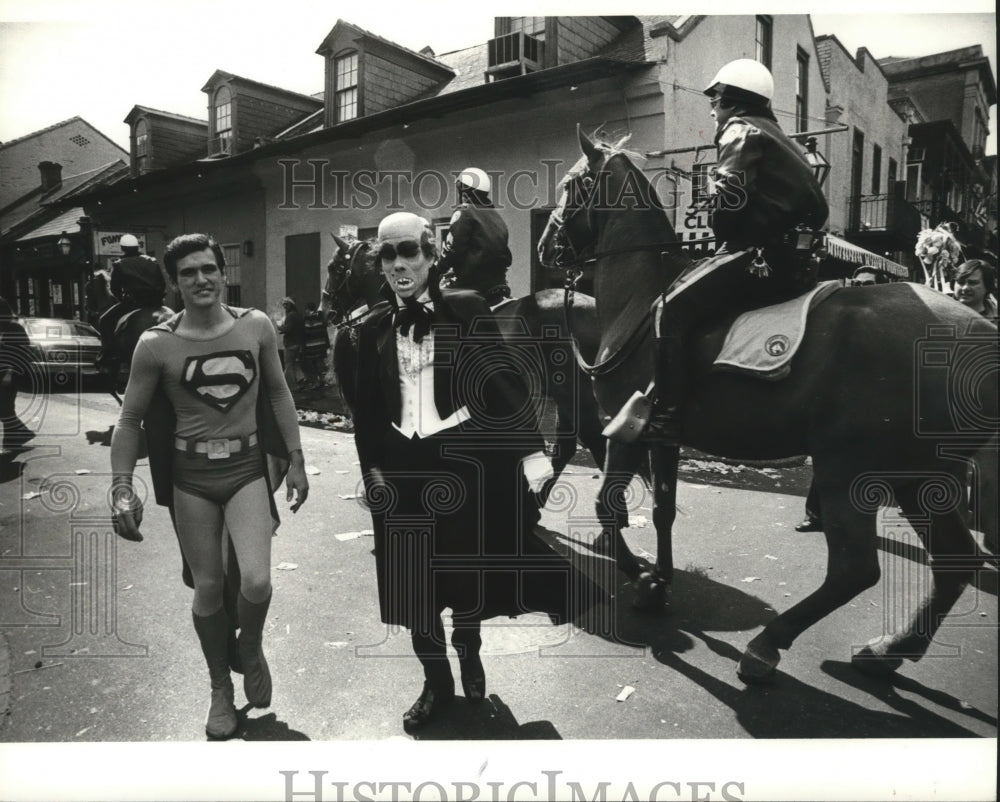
{"x": 106, "y": 243}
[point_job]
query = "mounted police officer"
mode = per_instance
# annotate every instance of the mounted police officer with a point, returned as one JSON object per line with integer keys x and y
{"x": 476, "y": 249}
{"x": 138, "y": 283}
{"x": 766, "y": 213}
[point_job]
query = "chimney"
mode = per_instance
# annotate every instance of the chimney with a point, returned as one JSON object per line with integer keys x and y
{"x": 51, "y": 175}
{"x": 427, "y": 51}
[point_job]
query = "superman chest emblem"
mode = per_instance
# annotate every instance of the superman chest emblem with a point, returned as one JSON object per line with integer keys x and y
{"x": 220, "y": 379}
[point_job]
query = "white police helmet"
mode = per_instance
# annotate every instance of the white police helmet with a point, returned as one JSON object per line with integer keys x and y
{"x": 128, "y": 241}
{"x": 474, "y": 178}
{"x": 746, "y": 77}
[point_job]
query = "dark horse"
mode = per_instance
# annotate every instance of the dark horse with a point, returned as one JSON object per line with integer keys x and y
{"x": 878, "y": 419}
{"x": 98, "y": 297}
{"x": 535, "y": 323}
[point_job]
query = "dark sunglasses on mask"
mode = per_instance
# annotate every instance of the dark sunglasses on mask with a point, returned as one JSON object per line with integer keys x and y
{"x": 407, "y": 249}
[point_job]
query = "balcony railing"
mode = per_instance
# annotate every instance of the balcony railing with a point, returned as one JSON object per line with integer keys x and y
{"x": 888, "y": 213}
{"x": 517, "y": 53}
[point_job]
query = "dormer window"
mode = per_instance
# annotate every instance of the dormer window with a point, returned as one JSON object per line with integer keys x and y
{"x": 141, "y": 147}
{"x": 223, "y": 119}
{"x": 345, "y": 90}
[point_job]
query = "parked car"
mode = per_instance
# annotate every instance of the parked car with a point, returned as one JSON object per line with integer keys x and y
{"x": 64, "y": 351}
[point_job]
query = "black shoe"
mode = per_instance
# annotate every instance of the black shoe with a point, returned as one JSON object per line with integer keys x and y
{"x": 810, "y": 524}
{"x": 473, "y": 679}
{"x": 428, "y": 703}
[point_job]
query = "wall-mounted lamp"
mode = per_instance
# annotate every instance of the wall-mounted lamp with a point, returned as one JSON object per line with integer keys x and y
{"x": 820, "y": 166}
{"x": 64, "y": 244}
{"x": 248, "y": 247}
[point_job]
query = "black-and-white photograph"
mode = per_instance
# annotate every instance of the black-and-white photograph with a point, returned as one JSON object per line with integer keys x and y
{"x": 615, "y": 395}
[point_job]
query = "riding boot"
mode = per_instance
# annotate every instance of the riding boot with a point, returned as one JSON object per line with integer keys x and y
{"x": 664, "y": 426}
{"x": 212, "y": 632}
{"x": 256, "y": 675}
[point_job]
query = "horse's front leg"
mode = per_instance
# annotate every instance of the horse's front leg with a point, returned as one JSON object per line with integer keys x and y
{"x": 654, "y": 587}
{"x": 611, "y": 504}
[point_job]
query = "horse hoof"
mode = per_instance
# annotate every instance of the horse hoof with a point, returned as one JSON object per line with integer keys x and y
{"x": 756, "y": 667}
{"x": 650, "y": 592}
{"x": 874, "y": 662}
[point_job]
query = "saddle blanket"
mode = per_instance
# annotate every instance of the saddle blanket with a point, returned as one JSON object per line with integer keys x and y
{"x": 763, "y": 341}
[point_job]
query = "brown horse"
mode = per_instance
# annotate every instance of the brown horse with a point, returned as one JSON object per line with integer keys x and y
{"x": 535, "y": 325}
{"x": 887, "y": 390}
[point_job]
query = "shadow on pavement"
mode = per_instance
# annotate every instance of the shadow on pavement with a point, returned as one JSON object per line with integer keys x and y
{"x": 95, "y": 437}
{"x": 792, "y": 709}
{"x": 887, "y": 691}
{"x": 490, "y": 720}
{"x": 10, "y": 468}
{"x": 266, "y": 728}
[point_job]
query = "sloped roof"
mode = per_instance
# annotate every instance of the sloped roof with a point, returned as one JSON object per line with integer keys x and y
{"x": 36, "y": 205}
{"x": 68, "y": 221}
{"x": 160, "y": 113}
{"x": 963, "y": 58}
{"x": 362, "y": 33}
{"x": 222, "y": 74}
{"x": 74, "y": 144}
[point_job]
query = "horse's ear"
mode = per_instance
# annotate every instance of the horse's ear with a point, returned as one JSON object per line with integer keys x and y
{"x": 588, "y": 148}
{"x": 344, "y": 247}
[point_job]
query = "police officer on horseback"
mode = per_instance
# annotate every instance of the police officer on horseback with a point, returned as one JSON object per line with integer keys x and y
{"x": 767, "y": 210}
{"x": 476, "y": 248}
{"x": 138, "y": 283}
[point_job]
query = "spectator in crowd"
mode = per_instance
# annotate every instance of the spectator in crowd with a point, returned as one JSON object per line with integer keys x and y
{"x": 976, "y": 287}
{"x": 292, "y": 330}
{"x": 868, "y": 276}
{"x": 316, "y": 344}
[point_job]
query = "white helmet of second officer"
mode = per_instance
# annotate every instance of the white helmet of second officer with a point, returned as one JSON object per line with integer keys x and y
{"x": 743, "y": 80}
{"x": 475, "y": 179}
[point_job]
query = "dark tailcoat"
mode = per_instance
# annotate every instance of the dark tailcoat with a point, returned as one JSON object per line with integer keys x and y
{"x": 453, "y": 520}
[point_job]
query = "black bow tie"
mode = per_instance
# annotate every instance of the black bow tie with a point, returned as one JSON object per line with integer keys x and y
{"x": 416, "y": 315}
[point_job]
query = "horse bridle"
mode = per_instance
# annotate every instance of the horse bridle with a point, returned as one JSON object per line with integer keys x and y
{"x": 345, "y": 274}
{"x": 566, "y": 251}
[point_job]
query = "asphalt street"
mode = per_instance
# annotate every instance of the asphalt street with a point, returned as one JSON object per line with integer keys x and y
{"x": 101, "y": 648}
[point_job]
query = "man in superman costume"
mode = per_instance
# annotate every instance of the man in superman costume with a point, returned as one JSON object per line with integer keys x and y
{"x": 208, "y": 387}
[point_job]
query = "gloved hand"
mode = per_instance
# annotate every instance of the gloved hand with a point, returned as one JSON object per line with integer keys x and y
{"x": 126, "y": 513}
{"x": 537, "y": 470}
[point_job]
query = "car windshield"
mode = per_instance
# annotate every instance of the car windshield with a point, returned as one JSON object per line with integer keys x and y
{"x": 51, "y": 328}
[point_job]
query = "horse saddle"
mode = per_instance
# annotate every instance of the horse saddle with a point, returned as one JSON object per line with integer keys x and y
{"x": 763, "y": 341}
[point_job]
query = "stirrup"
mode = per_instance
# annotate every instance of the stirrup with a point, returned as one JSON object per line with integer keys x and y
{"x": 630, "y": 422}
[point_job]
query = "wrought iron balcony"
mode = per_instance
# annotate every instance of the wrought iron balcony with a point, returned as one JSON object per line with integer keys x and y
{"x": 514, "y": 54}
{"x": 888, "y": 213}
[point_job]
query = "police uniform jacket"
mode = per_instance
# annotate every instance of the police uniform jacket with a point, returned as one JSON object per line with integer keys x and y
{"x": 765, "y": 185}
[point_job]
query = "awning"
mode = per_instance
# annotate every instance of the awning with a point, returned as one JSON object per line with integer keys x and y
{"x": 853, "y": 254}
{"x": 68, "y": 222}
